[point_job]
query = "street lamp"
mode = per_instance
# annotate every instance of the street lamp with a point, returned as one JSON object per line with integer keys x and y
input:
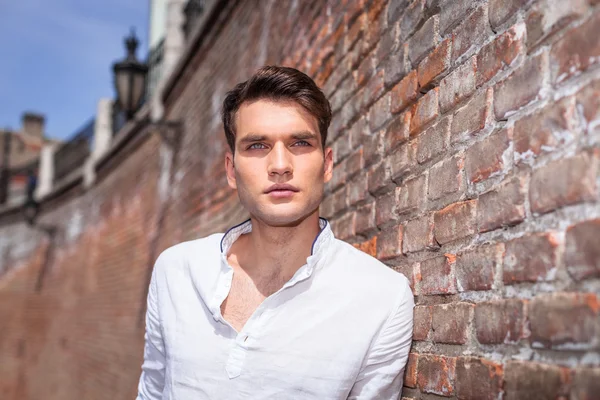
{"x": 130, "y": 78}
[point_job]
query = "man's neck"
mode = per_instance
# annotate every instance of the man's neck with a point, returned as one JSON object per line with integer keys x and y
{"x": 275, "y": 252}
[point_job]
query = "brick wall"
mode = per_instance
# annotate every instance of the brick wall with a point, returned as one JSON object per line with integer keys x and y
{"x": 466, "y": 139}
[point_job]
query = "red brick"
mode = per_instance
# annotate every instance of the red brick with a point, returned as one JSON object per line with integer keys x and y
{"x": 564, "y": 319}
{"x": 437, "y": 276}
{"x": 389, "y": 243}
{"x": 501, "y": 10}
{"x": 582, "y": 253}
{"x": 374, "y": 89}
{"x": 425, "y": 111}
{"x": 368, "y": 246}
{"x": 436, "y": 374}
{"x": 547, "y": 130}
{"x": 547, "y": 17}
{"x": 500, "y": 321}
{"x": 477, "y": 378}
{"x": 500, "y": 53}
{"x": 385, "y": 210}
{"x": 397, "y": 132}
{"x": 404, "y": 93}
{"x": 413, "y": 14}
{"x": 475, "y": 269}
{"x": 435, "y": 64}
{"x": 451, "y": 322}
{"x": 489, "y": 156}
{"x": 379, "y": 179}
{"x": 588, "y": 100}
{"x": 531, "y": 258}
{"x": 563, "y": 182}
{"x": 365, "y": 219}
{"x": 345, "y": 227}
{"x": 445, "y": 178}
{"x": 528, "y": 380}
{"x": 577, "y": 50}
{"x": 585, "y": 383}
{"x": 379, "y": 114}
{"x": 411, "y": 194}
{"x": 458, "y": 85}
{"x": 364, "y": 71}
{"x": 422, "y": 322}
{"x": 434, "y": 141}
{"x": 473, "y": 117}
{"x": 410, "y": 373}
{"x": 455, "y": 221}
{"x": 471, "y": 33}
{"x": 522, "y": 87}
{"x": 402, "y": 160}
{"x": 418, "y": 234}
{"x": 407, "y": 269}
{"x": 502, "y": 206}
{"x": 357, "y": 189}
{"x": 423, "y": 41}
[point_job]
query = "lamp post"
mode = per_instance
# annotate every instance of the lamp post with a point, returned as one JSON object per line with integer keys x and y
{"x": 130, "y": 78}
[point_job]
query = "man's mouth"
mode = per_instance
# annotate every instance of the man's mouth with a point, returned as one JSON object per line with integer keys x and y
{"x": 281, "y": 190}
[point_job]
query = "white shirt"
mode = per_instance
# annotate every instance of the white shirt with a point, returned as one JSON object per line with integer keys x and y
{"x": 340, "y": 328}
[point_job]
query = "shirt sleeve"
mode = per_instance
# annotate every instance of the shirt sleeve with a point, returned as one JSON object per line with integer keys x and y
{"x": 382, "y": 373}
{"x": 152, "y": 380}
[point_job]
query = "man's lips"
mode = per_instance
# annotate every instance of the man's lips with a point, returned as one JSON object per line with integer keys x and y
{"x": 281, "y": 190}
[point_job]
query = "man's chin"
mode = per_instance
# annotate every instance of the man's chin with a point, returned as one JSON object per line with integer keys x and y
{"x": 283, "y": 218}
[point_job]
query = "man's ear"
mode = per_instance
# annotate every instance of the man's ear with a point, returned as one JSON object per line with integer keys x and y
{"x": 230, "y": 170}
{"x": 328, "y": 164}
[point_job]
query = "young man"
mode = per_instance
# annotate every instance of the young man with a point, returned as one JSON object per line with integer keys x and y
{"x": 275, "y": 308}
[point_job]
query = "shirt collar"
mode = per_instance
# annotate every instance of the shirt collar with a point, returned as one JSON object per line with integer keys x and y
{"x": 318, "y": 248}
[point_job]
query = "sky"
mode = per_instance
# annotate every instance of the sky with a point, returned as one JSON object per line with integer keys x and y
{"x": 56, "y": 57}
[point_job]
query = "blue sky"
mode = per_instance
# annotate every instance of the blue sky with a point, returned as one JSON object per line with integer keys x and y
{"x": 56, "y": 57}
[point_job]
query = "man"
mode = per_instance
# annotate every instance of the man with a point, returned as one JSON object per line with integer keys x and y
{"x": 275, "y": 308}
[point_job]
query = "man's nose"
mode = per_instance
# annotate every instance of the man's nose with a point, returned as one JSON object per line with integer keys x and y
{"x": 279, "y": 161}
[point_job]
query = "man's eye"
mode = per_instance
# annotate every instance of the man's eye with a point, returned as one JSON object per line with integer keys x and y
{"x": 301, "y": 143}
{"x": 257, "y": 146}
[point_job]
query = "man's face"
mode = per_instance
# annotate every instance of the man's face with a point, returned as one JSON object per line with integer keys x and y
{"x": 279, "y": 167}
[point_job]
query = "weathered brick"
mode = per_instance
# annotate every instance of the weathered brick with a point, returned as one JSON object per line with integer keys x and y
{"x": 379, "y": 179}
{"x": 445, "y": 178}
{"x": 422, "y": 322}
{"x": 385, "y": 210}
{"x": 395, "y": 10}
{"x": 411, "y": 194}
{"x": 472, "y": 117}
{"x": 368, "y": 246}
{"x": 411, "y": 18}
{"x": 434, "y": 141}
{"x": 357, "y": 189}
{"x": 471, "y": 33}
{"x": 387, "y": 44}
{"x": 407, "y": 269}
{"x": 376, "y": 23}
{"x": 404, "y": 93}
{"x": 389, "y": 243}
{"x": 379, "y": 114}
{"x": 397, "y": 132}
{"x": 475, "y": 269}
{"x": 402, "y": 160}
{"x": 489, "y": 156}
{"x": 418, "y": 234}
{"x": 454, "y": 11}
{"x": 365, "y": 219}
{"x": 436, "y": 374}
{"x": 502, "y": 206}
{"x": 410, "y": 373}
{"x": 576, "y": 50}
{"x": 588, "y": 101}
{"x": 372, "y": 146}
{"x": 582, "y": 252}
{"x": 522, "y": 87}
{"x": 531, "y": 258}
{"x": 451, "y": 322}
{"x": 396, "y": 66}
{"x": 344, "y": 227}
{"x": 548, "y": 16}
{"x": 562, "y": 319}
{"x": 501, "y": 10}
{"x": 585, "y": 383}
{"x": 547, "y": 130}
{"x": 364, "y": 71}
{"x": 436, "y": 63}
{"x": 478, "y": 378}
{"x": 455, "y": 221}
{"x": 500, "y": 321}
{"x": 373, "y": 90}
{"x": 425, "y": 111}
{"x": 458, "y": 85}
{"x": 563, "y": 182}
{"x": 437, "y": 276}
{"x": 423, "y": 41}
{"x": 529, "y": 380}
{"x": 500, "y": 53}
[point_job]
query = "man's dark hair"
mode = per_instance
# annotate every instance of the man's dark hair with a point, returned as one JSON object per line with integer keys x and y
{"x": 277, "y": 83}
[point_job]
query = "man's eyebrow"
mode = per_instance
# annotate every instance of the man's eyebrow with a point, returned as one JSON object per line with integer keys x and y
{"x": 252, "y": 137}
{"x": 304, "y": 135}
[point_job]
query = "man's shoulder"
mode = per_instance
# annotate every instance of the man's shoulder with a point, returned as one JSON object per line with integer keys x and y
{"x": 190, "y": 251}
